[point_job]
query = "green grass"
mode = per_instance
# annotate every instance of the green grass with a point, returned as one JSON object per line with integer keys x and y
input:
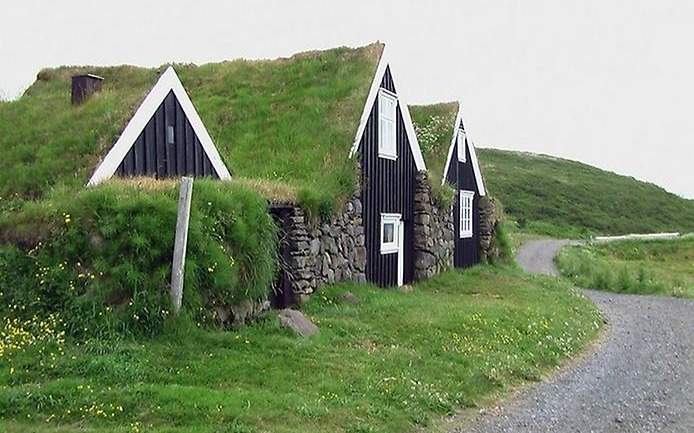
{"x": 392, "y": 363}
{"x": 434, "y": 127}
{"x": 289, "y": 121}
{"x": 102, "y": 257}
{"x": 647, "y": 267}
{"x": 563, "y": 198}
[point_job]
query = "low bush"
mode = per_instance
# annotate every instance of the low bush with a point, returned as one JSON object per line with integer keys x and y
{"x": 102, "y": 257}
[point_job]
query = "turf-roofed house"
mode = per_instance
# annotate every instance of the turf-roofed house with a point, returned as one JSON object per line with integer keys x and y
{"x": 342, "y": 147}
{"x": 450, "y": 154}
{"x": 320, "y": 142}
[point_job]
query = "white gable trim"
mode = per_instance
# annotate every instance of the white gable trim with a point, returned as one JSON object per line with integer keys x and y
{"x": 473, "y": 154}
{"x": 476, "y": 168}
{"x": 383, "y": 63}
{"x": 168, "y": 82}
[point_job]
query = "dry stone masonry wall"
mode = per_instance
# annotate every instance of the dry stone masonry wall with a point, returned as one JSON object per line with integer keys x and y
{"x": 433, "y": 232}
{"x": 325, "y": 251}
{"x": 317, "y": 253}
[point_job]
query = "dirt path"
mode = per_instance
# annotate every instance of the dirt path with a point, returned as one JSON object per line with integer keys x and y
{"x": 640, "y": 378}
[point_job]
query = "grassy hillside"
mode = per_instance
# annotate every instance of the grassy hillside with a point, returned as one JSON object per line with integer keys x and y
{"x": 561, "y": 197}
{"x": 388, "y": 364}
{"x": 633, "y": 266}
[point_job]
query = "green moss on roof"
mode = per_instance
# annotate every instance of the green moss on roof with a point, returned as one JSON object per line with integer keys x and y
{"x": 290, "y": 121}
{"x": 434, "y": 128}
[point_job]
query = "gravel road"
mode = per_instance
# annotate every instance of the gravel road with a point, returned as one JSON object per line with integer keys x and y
{"x": 640, "y": 378}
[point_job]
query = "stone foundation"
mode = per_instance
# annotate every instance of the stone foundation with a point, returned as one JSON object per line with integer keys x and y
{"x": 433, "y": 232}
{"x": 316, "y": 253}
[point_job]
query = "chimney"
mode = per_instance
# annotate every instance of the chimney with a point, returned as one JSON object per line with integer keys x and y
{"x": 83, "y": 86}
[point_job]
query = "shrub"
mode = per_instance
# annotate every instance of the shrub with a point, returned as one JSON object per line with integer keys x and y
{"x": 103, "y": 257}
{"x": 501, "y": 242}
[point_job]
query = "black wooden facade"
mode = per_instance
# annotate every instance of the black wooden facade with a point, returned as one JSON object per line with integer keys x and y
{"x": 388, "y": 186}
{"x": 162, "y": 152}
{"x": 461, "y": 175}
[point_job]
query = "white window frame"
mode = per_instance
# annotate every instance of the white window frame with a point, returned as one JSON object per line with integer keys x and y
{"x": 387, "y": 138}
{"x": 395, "y": 219}
{"x": 465, "y": 219}
{"x": 461, "y": 145}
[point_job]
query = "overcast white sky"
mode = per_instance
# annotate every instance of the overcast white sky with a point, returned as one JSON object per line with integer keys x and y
{"x": 607, "y": 82}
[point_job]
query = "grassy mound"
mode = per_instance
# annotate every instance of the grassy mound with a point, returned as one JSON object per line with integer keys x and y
{"x": 288, "y": 122}
{"x": 102, "y": 258}
{"x": 434, "y": 127}
{"x": 391, "y": 363}
{"x": 634, "y": 266}
{"x": 559, "y": 197}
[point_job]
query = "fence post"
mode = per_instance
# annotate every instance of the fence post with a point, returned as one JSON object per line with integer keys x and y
{"x": 180, "y": 243}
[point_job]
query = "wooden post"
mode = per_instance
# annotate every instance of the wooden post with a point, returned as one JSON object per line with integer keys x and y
{"x": 179, "y": 256}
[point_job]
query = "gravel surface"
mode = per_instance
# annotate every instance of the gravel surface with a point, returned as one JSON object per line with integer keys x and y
{"x": 639, "y": 379}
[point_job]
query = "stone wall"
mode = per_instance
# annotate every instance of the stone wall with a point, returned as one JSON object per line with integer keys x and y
{"x": 433, "y": 232}
{"x": 489, "y": 220}
{"x": 320, "y": 252}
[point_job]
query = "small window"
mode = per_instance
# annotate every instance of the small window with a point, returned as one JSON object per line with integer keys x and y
{"x": 461, "y": 145}
{"x": 390, "y": 231}
{"x": 466, "y": 201}
{"x": 170, "y": 135}
{"x": 387, "y": 143}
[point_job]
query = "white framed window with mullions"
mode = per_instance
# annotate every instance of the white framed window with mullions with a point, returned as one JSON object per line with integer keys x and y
{"x": 466, "y": 201}
{"x": 461, "y": 145}
{"x": 387, "y": 140}
{"x": 390, "y": 233}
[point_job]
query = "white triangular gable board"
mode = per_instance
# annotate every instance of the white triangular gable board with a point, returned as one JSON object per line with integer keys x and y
{"x": 383, "y": 63}
{"x": 168, "y": 82}
{"x": 473, "y": 154}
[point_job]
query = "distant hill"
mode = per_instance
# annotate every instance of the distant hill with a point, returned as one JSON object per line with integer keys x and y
{"x": 559, "y": 196}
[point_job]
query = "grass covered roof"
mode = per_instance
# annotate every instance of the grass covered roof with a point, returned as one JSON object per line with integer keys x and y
{"x": 434, "y": 128}
{"x": 283, "y": 126}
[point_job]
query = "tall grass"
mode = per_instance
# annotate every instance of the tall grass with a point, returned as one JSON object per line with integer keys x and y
{"x": 102, "y": 258}
{"x": 646, "y": 267}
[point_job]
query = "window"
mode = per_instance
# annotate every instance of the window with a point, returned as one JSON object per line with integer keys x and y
{"x": 387, "y": 144}
{"x": 466, "y": 200}
{"x": 461, "y": 145}
{"x": 390, "y": 231}
{"x": 169, "y": 135}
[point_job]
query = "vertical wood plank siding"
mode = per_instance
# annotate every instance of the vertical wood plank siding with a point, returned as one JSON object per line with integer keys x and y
{"x": 151, "y": 155}
{"x": 462, "y": 176}
{"x": 387, "y": 187}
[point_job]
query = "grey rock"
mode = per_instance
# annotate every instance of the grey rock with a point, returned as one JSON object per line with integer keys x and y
{"x": 349, "y": 298}
{"x": 422, "y": 219}
{"x": 296, "y": 322}
{"x": 360, "y": 262}
{"x": 242, "y": 312}
{"x": 222, "y": 314}
{"x": 357, "y": 206}
{"x": 315, "y": 247}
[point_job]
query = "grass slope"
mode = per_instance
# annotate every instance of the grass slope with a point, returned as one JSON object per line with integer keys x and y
{"x": 634, "y": 266}
{"x": 567, "y": 198}
{"x": 286, "y": 121}
{"x": 388, "y": 364}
